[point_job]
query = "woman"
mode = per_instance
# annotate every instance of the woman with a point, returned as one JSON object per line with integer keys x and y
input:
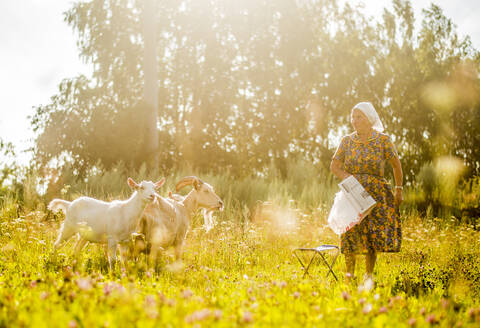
{"x": 363, "y": 154}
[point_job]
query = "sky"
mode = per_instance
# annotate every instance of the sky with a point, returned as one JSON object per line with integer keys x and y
{"x": 38, "y": 49}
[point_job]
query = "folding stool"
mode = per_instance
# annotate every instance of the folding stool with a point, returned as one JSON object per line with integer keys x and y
{"x": 320, "y": 251}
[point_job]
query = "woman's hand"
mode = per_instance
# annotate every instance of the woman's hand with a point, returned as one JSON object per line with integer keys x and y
{"x": 398, "y": 175}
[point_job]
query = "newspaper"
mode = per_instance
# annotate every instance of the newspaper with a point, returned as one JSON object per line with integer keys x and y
{"x": 357, "y": 196}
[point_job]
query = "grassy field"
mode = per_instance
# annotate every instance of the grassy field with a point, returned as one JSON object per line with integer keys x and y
{"x": 241, "y": 273}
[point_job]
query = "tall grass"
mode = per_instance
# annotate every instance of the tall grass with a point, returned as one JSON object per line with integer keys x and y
{"x": 242, "y": 272}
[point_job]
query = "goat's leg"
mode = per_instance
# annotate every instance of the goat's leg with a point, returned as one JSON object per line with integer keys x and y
{"x": 64, "y": 234}
{"x": 178, "y": 251}
{"x": 79, "y": 246}
{"x": 123, "y": 253}
{"x": 112, "y": 247}
{"x": 208, "y": 222}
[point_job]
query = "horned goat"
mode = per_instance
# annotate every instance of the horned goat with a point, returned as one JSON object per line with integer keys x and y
{"x": 208, "y": 220}
{"x": 104, "y": 222}
{"x": 166, "y": 221}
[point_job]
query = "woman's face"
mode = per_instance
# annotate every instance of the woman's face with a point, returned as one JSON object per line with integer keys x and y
{"x": 360, "y": 121}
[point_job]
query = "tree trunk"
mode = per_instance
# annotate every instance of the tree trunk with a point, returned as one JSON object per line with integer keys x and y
{"x": 150, "y": 87}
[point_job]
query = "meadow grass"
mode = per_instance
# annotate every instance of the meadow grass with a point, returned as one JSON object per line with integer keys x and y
{"x": 242, "y": 272}
{"x": 238, "y": 274}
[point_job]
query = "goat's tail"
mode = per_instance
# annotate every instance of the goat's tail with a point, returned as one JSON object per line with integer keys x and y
{"x": 59, "y": 204}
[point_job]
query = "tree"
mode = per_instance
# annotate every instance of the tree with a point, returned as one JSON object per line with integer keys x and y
{"x": 236, "y": 79}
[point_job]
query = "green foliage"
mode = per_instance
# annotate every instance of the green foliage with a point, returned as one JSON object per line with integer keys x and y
{"x": 242, "y": 84}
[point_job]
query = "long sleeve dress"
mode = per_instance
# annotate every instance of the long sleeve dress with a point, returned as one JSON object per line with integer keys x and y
{"x": 381, "y": 230}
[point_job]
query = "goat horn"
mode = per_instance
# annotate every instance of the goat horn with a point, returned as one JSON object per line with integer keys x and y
{"x": 185, "y": 181}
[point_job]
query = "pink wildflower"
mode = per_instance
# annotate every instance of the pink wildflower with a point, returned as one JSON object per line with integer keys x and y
{"x": 431, "y": 319}
{"x": 84, "y": 284}
{"x": 199, "y": 315}
{"x": 217, "y": 314}
{"x": 247, "y": 317}
{"x": 187, "y": 293}
{"x": 445, "y": 303}
{"x": 150, "y": 300}
{"x": 107, "y": 289}
{"x": 367, "y": 308}
{"x": 345, "y": 295}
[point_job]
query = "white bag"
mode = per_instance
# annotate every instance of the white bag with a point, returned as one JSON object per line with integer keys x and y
{"x": 343, "y": 215}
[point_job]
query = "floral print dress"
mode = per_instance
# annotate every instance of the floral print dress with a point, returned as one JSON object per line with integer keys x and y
{"x": 381, "y": 230}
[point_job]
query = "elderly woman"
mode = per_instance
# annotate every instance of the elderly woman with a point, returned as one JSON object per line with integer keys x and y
{"x": 363, "y": 154}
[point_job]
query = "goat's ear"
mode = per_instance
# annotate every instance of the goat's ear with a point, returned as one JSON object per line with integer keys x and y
{"x": 160, "y": 183}
{"x": 132, "y": 184}
{"x": 197, "y": 184}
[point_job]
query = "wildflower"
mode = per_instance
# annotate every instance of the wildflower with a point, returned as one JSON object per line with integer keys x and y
{"x": 423, "y": 311}
{"x": 161, "y": 297}
{"x": 345, "y": 295}
{"x": 314, "y": 294}
{"x": 367, "y": 285}
{"x": 84, "y": 284}
{"x": 151, "y": 313}
{"x": 217, "y": 314}
{"x": 282, "y": 284}
{"x": 187, "y": 293}
{"x": 296, "y": 295}
{"x": 431, "y": 319}
{"x": 412, "y": 322}
{"x": 247, "y": 317}
{"x": 44, "y": 295}
{"x": 445, "y": 303}
{"x": 72, "y": 324}
{"x": 72, "y": 295}
{"x": 245, "y": 277}
{"x": 383, "y": 309}
{"x": 67, "y": 273}
{"x": 367, "y": 308}
{"x": 362, "y": 301}
{"x": 199, "y": 315}
{"x": 150, "y": 300}
{"x": 107, "y": 289}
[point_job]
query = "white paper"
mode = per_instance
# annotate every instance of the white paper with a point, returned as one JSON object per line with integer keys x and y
{"x": 352, "y": 204}
{"x": 359, "y": 198}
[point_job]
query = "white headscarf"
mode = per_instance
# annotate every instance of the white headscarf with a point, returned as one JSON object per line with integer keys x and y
{"x": 370, "y": 112}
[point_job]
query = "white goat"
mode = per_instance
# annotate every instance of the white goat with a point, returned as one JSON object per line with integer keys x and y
{"x": 208, "y": 220}
{"x": 104, "y": 222}
{"x": 165, "y": 222}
